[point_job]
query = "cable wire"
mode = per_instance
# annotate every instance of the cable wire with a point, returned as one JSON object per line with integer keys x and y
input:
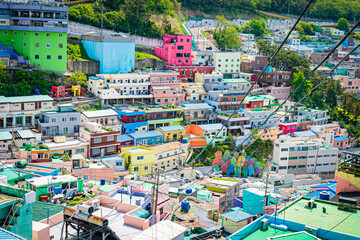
{"x": 254, "y": 83}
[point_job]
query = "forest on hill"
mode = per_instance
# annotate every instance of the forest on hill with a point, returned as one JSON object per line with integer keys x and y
{"x": 324, "y": 9}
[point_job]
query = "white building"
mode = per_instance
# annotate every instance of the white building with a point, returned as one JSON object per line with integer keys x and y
{"x": 256, "y": 118}
{"x": 246, "y": 37}
{"x": 170, "y": 156}
{"x": 22, "y": 111}
{"x": 319, "y": 117}
{"x": 337, "y": 32}
{"x": 227, "y": 62}
{"x": 106, "y": 117}
{"x": 294, "y": 41}
{"x": 117, "y": 89}
{"x": 304, "y": 155}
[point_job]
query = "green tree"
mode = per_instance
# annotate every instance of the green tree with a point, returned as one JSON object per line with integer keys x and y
{"x": 298, "y": 78}
{"x": 78, "y": 78}
{"x": 342, "y": 24}
{"x": 226, "y": 34}
{"x": 256, "y": 27}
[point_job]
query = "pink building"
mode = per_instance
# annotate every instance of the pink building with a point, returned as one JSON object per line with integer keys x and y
{"x": 351, "y": 85}
{"x": 176, "y": 49}
{"x": 279, "y": 92}
{"x": 166, "y": 96}
{"x": 287, "y": 127}
{"x": 58, "y": 92}
{"x": 161, "y": 78}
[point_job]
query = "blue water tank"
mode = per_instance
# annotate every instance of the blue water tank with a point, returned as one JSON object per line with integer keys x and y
{"x": 189, "y": 190}
{"x": 185, "y": 205}
{"x": 36, "y": 92}
{"x": 102, "y": 181}
{"x": 324, "y": 195}
{"x": 180, "y": 189}
{"x": 115, "y": 182}
{"x": 58, "y": 190}
{"x": 185, "y": 141}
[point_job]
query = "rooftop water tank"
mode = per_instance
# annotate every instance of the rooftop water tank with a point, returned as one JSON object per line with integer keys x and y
{"x": 324, "y": 195}
{"x": 102, "y": 182}
{"x": 36, "y": 92}
{"x": 21, "y": 164}
{"x": 185, "y": 205}
{"x": 188, "y": 191}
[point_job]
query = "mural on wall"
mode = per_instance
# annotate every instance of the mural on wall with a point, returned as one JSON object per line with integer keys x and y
{"x": 236, "y": 165}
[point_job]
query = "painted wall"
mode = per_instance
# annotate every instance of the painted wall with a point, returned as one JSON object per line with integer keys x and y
{"x": 114, "y": 57}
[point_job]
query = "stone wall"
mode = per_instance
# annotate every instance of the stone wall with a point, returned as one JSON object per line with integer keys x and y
{"x": 87, "y": 67}
{"x": 150, "y": 63}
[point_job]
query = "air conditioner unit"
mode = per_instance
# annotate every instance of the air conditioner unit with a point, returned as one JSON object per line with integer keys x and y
{"x": 264, "y": 224}
{"x": 95, "y": 204}
{"x": 311, "y": 230}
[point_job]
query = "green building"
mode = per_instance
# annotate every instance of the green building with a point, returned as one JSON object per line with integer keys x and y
{"x": 15, "y": 211}
{"x": 37, "y": 32}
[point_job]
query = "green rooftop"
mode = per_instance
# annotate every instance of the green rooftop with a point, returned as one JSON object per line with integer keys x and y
{"x": 236, "y": 80}
{"x": 265, "y": 234}
{"x": 39, "y": 213}
{"x": 294, "y": 236}
{"x": 334, "y": 219}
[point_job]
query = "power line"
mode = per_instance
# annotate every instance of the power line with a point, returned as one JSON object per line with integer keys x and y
{"x": 297, "y": 89}
{"x": 254, "y": 83}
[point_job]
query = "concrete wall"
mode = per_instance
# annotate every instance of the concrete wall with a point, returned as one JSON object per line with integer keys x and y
{"x": 86, "y": 67}
{"x": 150, "y": 63}
{"x": 144, "y": 49}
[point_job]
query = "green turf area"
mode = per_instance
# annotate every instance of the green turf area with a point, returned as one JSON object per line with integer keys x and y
{"x": 294, "y": 236}
{"x": 334, "y": 219}
{"x": 39, "y": 213}
{"x": 140, "y": 55}
{"x": 270, "y": 232}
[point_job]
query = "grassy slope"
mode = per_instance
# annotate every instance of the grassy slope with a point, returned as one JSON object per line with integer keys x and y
{"x": 77, "y": 52}
{"x": 140, "y": 55}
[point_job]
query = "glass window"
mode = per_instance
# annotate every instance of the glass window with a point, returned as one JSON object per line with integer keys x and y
{"x": 110, "y": 138}
{"x": 111, "y": 149}
{"x": 36, "y": 44}
{"x": 36, "y": 34}
{"x": 97, "y": 140}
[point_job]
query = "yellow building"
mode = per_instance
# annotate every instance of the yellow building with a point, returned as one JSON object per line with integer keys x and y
{"x": 172, "y": 133}
{"x": 139, "y": 160}
{"x": 170, "y": 156}
{"x": 271, "y": 134}
{"x": 69, "y": 146}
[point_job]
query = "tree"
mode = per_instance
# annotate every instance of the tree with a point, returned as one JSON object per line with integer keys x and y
{"x": 342, "y": 24}
{"x": 226, "y": 34}
{"x": 78, "y": 78}
{"x": 256, "y": 27}
{"x": 298, "y": 78}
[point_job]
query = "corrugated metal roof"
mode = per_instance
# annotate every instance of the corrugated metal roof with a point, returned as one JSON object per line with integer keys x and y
{"x": 100, "y": 113}
{"x": 6, "y": 235}
{"x": 338, "y": 139}
{"x": 34, "y": 98}
{"x": 196, "y": 106}
{"x": 172, "y": 128}
{"x": 237, "y": 216}
{"x": 148, "y": 134}
{"x": 209, "y": 127}
{"x": 5, "y": 136}
{"x": 25, "y": 134}
{"x": 124, "y": 138}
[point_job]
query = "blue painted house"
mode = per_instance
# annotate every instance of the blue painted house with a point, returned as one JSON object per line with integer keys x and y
{"x": 147, "y": 138}
{"x": 132, "y": 120}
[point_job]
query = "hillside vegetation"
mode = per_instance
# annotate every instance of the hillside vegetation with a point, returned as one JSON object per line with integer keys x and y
{"x": 130, "y": 16}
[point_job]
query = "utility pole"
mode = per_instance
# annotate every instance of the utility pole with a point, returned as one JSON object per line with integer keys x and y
{"x": 155, "y": 195}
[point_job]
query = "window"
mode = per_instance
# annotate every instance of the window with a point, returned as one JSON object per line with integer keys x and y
{"x": 186, "y": 54}
{"x": 72, "y": 119}
{"x": 36, "y": 56}
{"x": 111, "y": 149}
{"x": 283, "y": 159}
{"x": 63, "y": 119}
{"x": 118, "y": 163}
{"x": 187, "y": 40}
{"x": 24, "y": 44}
{"x": 59, "y": 57}
{"x": 36, "y": 44}
{"x": 284, "y": 149}
{"x": 60, "y": 45}
{"x": 5, "y": 32}
{"x": 96, "y": 151}
{"x": 180, "y": 47}
{"x": 97, "y": 140}
{"x": 48, "y": 57}
{"x": 60, "y": 35}
{"x": 53, "y": 120}
{"x": 24, "y": 33}
{"x": 179, "y": 55}
{"x": 136, "y": 169}
{"x": 80, "y": 150}
{"x": 48, "y": 34}
{"x": 15, "y": 33}
{"x": 146, "y": 168}
{"x": 110, "y": 138}
{"x": 48, "y": 45}
{"x": 36, "y": 34}
{"x": 292, "y": 158}
{"x": 282, "y": 167}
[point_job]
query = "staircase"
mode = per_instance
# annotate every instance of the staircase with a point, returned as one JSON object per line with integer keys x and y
{"x": 13, "y": 215}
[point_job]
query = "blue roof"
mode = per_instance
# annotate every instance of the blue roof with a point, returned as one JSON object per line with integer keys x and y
{"x": 237, "y": 216}
{"x": 148, "y": 134}
{"x": 4, "y": 234}
{"x": 338, "y": 139}
{"x": 305, "y": 134}
{"x": 172, "y": 128}
{"x": 124, "y": 138}
{"x": 316, "y": 194}
{"x": 5, "y": 54}
{"x": 196, "y": 106}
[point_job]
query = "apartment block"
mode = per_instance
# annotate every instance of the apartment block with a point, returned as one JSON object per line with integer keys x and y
{"x": 103, "y": 141}
{"x": 139, "y": 160}
{"x": 227, "y": 62}
{"x": 187, "y": 73}
{"x": 225, "y": 100}
{"x": 106, "y": 117}
{"x": 199, "y": 113}
{"x": 318, "y": 117}
{"x": 303, "y": 155}
{"x": 22, "y": 111}
{"x": 121, "y": 89}
{"x": 170, "y": 156}
{"x": 37, "y": 32}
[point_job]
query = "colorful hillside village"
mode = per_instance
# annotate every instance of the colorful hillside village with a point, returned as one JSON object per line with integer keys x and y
{"x": 194, "y": 142}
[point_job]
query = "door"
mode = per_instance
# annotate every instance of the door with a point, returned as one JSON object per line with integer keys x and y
{"x": 103, "y": 152}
